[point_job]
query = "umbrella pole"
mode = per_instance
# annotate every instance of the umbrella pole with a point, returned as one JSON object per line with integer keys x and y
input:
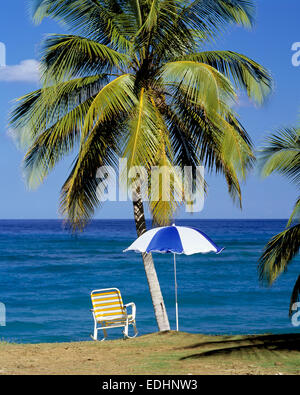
{"x": 176, "y": 304}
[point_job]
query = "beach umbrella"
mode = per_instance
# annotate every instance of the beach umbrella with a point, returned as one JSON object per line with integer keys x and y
{"x": 176, "y": 240}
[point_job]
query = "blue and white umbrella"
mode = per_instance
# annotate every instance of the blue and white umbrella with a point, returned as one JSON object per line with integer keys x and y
{"x": 176, "y": 240}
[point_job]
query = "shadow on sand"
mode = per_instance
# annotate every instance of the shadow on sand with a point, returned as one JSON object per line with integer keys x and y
{"x": 252, "y": 344}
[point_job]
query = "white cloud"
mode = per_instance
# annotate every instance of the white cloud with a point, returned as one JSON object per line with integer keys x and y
{"x": 25, "y": 71}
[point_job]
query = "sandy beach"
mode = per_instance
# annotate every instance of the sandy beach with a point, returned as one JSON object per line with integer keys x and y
{"x": 158, "y": 353}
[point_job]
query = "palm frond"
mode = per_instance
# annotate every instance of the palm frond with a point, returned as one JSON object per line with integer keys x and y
{"x": 81, "y": 193}
{"x": 281, "y": 154}
{"x": 211, "y": 17}
{"x": 233, "y": 146}
{"x": 278, "y": 253}
{"x": 135, "y": 6}
{"x": 68, "y": 56}
{"x": 166, "y": 179}
{"x": 221, "y": 146}
{"x": 41, "y": 109}
{"x": 295, "y": 216}
{"x": 50, "y": 146}
{"x": 181, "y": 139}
{"x": 141, "y": 144}
{"x": 115, "y": 98}
{"x": 171, "y": 37}
{"x": 20, "y": 117}
{"x": 181, "y": 26}
{"x": 164, "y": 31}
{"x": 243, "y": 71}
{"x": 200, "y": 84}
{"x": 91, "y": 18}
{"x": 295, "y": 297}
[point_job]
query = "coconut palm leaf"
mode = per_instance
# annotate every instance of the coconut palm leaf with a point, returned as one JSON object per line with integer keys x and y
{"x": 193, "y": 22}
{"x": 81, "y": 193}
{"x": 43, "y": 108}
{"x": 142, "y": 142}
{"x": 20, "y": 117}
{"x": 200, "y": 84}
{"x": 181, "y": 139}
{"x": 295, "y": 296}
{"x": 278, "y": 254}
{"x": 220, "y": 145}
{"x": 205, "y": 20}
{"x": 114, "y": 98}
{"x": 233, "y": 147}
{"x": 212, "y": 16}
{"x": 171, "y": 37}
{"x": 53, "y": 144}
{"x": 295, "y": 216}
{"x": 159, "y": 25}
{"x": 167, "y": 188}
{"x": 282, "y": 154}
{"x": 243, "y": 71}
{"x": 90, "y": 18}
{"x": 67, "y": 56}
{"x": 186, "y": 158}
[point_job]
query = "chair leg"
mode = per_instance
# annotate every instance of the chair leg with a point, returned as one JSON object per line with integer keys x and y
{"x": 135, "y": 330}
{"x": 126, "y": 336}
{"x": 95, "y": 337}
{"x": 104, "y": 334}
{"x": 125, "y": 332}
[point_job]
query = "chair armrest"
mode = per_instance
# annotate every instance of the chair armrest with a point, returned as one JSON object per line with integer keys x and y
{"x": 133, "y": 308}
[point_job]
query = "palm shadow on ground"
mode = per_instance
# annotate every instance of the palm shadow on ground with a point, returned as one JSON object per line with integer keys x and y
{"x": 250, "y": 344}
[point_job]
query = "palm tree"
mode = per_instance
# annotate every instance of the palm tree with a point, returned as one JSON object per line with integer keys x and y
{"x": 282, "y": 154}
{"x": 133, "y": 82}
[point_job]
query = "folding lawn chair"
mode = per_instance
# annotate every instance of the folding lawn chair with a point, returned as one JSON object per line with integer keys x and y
{"x": 109, "y": 312}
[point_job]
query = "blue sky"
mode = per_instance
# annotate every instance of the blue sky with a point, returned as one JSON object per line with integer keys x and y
{"x": 269, "y": 43}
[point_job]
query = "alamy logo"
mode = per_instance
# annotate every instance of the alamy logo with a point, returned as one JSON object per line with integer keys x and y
{"x": 160, "y": 183}
{"x": 2, "y": 55}
{"x": 296, "y": 315}
{"x": 296, "y": 56}
{"x": 2, "y": 314}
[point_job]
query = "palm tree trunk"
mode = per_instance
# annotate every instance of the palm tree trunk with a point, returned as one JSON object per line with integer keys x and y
{"x": 155, "y": 291}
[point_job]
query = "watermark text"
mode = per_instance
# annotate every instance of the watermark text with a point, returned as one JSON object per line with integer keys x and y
{"x": 2, "y": 54}
{"x": 160, "y": 183}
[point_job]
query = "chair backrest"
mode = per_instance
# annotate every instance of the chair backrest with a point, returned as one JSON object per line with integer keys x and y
{"x": 108, "y": 304}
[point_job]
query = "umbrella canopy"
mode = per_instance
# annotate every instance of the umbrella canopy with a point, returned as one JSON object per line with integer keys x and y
{"x": 176, "y": 240}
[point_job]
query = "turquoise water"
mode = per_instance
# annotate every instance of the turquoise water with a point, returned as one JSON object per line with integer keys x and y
{"x": 46, "y": 276}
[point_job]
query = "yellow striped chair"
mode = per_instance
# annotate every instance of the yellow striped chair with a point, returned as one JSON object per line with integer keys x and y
{"x": 109, "y": 312}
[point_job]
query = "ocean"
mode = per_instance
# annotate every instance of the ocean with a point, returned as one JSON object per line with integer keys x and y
{"x": 47, "y": 274}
